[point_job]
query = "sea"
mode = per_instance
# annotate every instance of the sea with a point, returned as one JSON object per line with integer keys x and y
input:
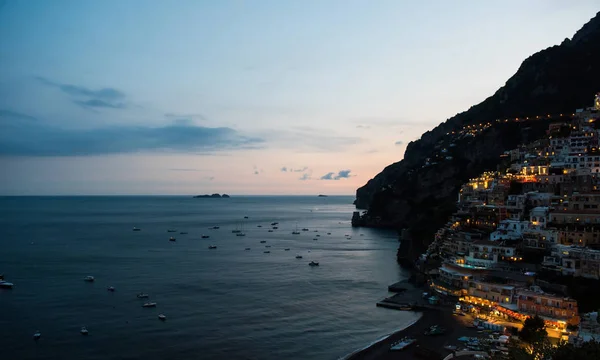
{"x": 223, "y": 303}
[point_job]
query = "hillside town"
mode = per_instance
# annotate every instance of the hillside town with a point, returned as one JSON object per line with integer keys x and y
{"x": 523, "y": 234}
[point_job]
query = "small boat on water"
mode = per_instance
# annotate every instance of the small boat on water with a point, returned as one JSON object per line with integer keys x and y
{"x": 162, "y": 317}
{"x": 298, "y": 256}
{"x": 258, "y": 225}
{"x": 328, "y": 233}
{"x": 183, "y": 233}
{"x": 263, "y": 241}
{"x": 136, "y": 229}
{"x": 149, "y": 304}
{"x": 84, "y": 330}
{"x": 275, "y": 227}
{"x": 318, "y": 235}
{"x": 172, "y": 239}
{"x": 240, "y": 234}
{"x": 270, "y": 230}
{"x": 171, "y": 230}
{"x": 215, "y": 227}
{"x": 313, "y": 263}
{"x": 37, "y": 335}
{"x": 142, "y": 296}
{"x": 89, "y": 278}
{"x": 267, "y": 252}
{"x": 247, "y": 248}
{"x": 110, "y": 289}
{"x": 205, "y": 236}
{"x": 274, "y": 223}
{"x": 451, "y": 347}
{"x": 295, "y": 232}
{"x": 268, "y": 246}
{"x": 402, "y": 343}
{"x": 316, "y": 239}
{"x": 245, "y": 217}
{"x": 304, "y": 229}
{"x": 212, "y": 247}
{"x": 6, "y": 284}
{"x": 286, "y": 249}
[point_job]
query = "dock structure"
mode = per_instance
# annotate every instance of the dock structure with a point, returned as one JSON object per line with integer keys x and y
{"x": 398, "y": 287}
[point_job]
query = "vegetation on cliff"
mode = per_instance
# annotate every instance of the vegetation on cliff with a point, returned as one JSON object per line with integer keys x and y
{"x": 419, "y": 192}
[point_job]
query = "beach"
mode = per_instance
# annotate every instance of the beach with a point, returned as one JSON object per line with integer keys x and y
{"x": 441, "y": 315}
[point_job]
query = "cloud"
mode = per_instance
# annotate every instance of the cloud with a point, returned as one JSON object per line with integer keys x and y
{"x": 308, "y": 139}
{"x": 255, "y": 172}
{"x": 284, "y": 169}
{"x": 300, "y": 170}
{"x": 328, "y": 176}
{"x": 97, "y": 103}
{"x": 33, "y": 139}
{"x": 399, "y": 143}
{"x": 186, "y": 170}
{"x": 184, "y": 116}
{"x": 363, "y": 126}
{"x": 305, "y": 176}
{"x": 211, "y": 178}
{"x": 89, "y": 98}
{"x": 7, "y": 114}
{"x": 342, "y": 174}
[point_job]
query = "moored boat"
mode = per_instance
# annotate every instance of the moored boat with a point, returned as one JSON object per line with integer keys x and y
{"x": 6, "y": 285}
{"x": 110, "y": 289}
{"x": 172, "y": 239}
{"x": 212, "y": 247}
{"x": 136, "y": 229}
{"x": 403, "y": 343}
{"x": 205, "y": 236}
{"x": 313, "y": 263}
{"x": 37, "y": 335}
{"x": 142, "y": 296}
{"x": 89, "y": 278}
{"x": 149, "y": 304}
{"x": 84, "y": 330}
{"x": 162, "y": 317}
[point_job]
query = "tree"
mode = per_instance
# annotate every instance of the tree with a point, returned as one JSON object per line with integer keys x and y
{"x": 533, "y": 331}
{"x": 587, "y": 351}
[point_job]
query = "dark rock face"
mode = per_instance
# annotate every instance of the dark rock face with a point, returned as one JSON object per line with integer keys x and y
{"x": 554, "y": 81}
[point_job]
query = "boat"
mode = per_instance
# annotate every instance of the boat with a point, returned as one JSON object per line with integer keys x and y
{"x": 247, "y": 248}
{"x": 258, "y": 225}
{"x": 267, "y": 252}
{"x": 403, "y": 343}
{"x": 89, "y": 278}
{"x": 316, "y": 239}
{"x": 212, "y": 247}
{"x": 240, "y": 234}
{"x": 304, "y": 229}
{"x": 274, "y": 223}
{"x": 6, "y": 284}
{"x": 136, "y": 229}
{"x": 171, "y": 230}
{"x": 172, "y": 239}
{"x": 162, "y": 317}
{"x": 205, "y": 236}
{"x": 215, "y": 227}
{"x": 295, "y": 232}
{"x": 298, "y": 256}
{"x": 318, "y": 235}
{"x": 84, "y": 330}
{"x": 149, "y": 304}
{"x": 267, "y": 246}
{"x": 286, "y": 249}
{"x": 183, "y": 233}
{"x": 451, "y": 347}
{"x": 316, "y": 231}
{"x": 328, "y": 233}
{"x": 263, "y": 241}
{"x": 313, "y": 263}
{"x": 435, "y": 330}
{"x": 37, "y": 335}
{"x": 142, "y": 296}
{"x": 270, "y": 230}
{"x": 111, "y": 289}
{"x": 245, "y": 217}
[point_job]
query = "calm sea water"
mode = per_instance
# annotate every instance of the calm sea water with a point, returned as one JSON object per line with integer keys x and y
{"x": 227, "y": 303}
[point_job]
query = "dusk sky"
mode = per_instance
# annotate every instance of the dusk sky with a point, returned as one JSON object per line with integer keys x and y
{"x": 246, "y": 97}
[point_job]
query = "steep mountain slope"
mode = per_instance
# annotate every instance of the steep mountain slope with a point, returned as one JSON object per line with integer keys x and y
{"x": 418, "y": 193}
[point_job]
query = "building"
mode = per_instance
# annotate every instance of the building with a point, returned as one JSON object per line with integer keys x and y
{"x": 578, "y": 209}
{"x": 574, "y": 260}
{"x": 557, "y": 311}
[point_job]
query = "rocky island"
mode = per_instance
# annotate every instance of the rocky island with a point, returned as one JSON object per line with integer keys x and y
{"x": 213, "y": 196}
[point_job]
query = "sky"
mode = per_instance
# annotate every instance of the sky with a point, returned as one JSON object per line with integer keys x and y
{"x": 295, "y": 97}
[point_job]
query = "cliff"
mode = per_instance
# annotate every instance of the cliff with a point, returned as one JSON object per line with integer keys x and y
{"x": 419, "y": 192}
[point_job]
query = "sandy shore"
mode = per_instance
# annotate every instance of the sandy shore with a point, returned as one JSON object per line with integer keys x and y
{"x": 455, "y": 327}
